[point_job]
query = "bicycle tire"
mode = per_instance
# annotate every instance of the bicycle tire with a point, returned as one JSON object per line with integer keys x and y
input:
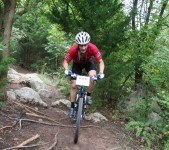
{"x": 78, "y": 120}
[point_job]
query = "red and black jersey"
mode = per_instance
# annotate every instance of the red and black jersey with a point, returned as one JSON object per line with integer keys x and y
{"x": 74, "y": 54}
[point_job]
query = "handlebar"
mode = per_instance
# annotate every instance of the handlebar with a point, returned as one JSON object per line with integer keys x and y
{"x": 94, "y": 77}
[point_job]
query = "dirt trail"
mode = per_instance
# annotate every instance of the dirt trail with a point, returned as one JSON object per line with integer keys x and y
{"x": 105, "y": 135}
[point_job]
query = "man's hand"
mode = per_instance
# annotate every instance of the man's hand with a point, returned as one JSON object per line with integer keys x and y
{"x": 100, "y": 75}
{"x": 68, "y": 72}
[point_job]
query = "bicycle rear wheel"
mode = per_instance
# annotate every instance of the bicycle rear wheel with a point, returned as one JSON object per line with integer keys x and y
{"x": 78, "y": 120}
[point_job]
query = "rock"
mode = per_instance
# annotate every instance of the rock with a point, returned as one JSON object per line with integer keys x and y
{"x": 44, "y": 93}
{"x": 35, "y": 82}
{"x": 35, "y": 90}
{"x": 64, "y": 102}
{"x": 154, "y": 117}
{"x": 14, "y": 76}
{"x": 96, "y": 117}
{"x": 11, "y": 96}
{"x": 28, "y": 95}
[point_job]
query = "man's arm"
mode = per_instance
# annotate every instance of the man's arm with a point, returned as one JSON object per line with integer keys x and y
{"x": 101, "y": 66}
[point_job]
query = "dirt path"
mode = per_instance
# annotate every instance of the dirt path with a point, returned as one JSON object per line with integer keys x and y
{"x": 105, "y": 135}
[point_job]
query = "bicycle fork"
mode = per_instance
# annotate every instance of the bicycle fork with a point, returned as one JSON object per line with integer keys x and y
{"x": 81, "y": 96}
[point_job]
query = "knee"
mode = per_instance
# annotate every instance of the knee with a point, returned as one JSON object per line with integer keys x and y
{"x": 92, "y": 73}
{"x": 73, "y": 86}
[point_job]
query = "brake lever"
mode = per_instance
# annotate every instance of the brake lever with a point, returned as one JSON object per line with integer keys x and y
{"x": 73, "y": 75}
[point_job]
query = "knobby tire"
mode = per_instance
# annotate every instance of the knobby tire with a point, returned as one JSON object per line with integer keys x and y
{"x": 78, "y": 120}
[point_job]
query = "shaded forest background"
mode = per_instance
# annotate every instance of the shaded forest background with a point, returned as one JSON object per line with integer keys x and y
{"x": 133, "y": 37}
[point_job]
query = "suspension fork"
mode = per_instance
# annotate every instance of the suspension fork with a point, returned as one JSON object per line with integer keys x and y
{"x": 83, "y": 95}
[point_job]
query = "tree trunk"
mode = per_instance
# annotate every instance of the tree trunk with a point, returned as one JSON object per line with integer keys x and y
{"x": 138, "y": 72}
{"x": 138, "y": 76}
{"x": 134, "y": 12}
{"x": 149, "y": 11}
{"x": 1, "y": 21}
{"x": 9, "y": 11}
{"x": 163, "y": 8}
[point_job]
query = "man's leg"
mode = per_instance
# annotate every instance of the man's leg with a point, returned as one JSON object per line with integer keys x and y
{"x": 91, "y": 87}
{"x": 92, "y": 82}
{"x": 75, "y": 69}
{"x": 73, "y": 91}
{"x": 72, "y": 98}
{"x": 91, "y": 70}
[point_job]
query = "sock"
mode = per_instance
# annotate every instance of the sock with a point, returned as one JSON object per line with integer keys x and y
{"x": 88, "y": 94}
{"x": 72, "y": 104}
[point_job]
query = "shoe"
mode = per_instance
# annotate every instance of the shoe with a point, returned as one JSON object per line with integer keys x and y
{"x": 71, "y": 112}
{"x": 89, "y": 100}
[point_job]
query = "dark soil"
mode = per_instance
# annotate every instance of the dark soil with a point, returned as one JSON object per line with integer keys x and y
{"x": 106, "y": 135}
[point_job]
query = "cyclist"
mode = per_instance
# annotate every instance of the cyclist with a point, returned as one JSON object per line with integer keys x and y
{"x": 82, "y": 53}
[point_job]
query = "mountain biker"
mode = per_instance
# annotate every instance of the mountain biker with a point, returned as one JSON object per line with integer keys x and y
{"x": 82, "y": 53}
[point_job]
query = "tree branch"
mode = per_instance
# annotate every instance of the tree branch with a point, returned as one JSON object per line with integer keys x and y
{"x": 26, "y": 7}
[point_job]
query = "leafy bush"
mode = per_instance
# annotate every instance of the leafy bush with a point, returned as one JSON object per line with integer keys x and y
{"x": 150, "y": 129}
{"x": 62, "y": 81}
{"x": 3, "y": 72}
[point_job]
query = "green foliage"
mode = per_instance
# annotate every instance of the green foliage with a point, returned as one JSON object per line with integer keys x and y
{"x": 153, "y": 57}
{"x": 57, "y": 46}
{"x": 30, "y": 37}
{"x": 157, "y": 67}
{"x": 76, "y": 13}
{"x": 39, "y": 142}
{"x": 1, "y": 5}
{"x": 102, "y": 19}
{"x": 1, "y": 47}
{"x": 142, "y": 130}
{"x": 3, "y": 72}
{"x": 166, "y": 145}
{"x": 2, "y": 104}
{"x": 62, "y": 82}
{"x": 150, "y": 129}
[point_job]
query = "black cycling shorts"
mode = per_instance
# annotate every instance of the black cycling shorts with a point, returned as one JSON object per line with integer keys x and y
{"x": 77, "y": 68}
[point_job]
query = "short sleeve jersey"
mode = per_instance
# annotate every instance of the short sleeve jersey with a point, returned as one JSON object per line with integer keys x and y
{"x": 74, "y": 54}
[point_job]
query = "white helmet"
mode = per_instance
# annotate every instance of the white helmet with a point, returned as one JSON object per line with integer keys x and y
{"x": 82, "y": 38}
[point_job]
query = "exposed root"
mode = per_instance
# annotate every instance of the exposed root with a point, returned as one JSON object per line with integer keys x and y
{"x": 55, "y": 141}
{"x": 22, "y": 147}
{"x": 51, "y": 124}
{"x": 32, "y": 112}
{"x": 29, "y": 140}
{"x": 5, "y": 127}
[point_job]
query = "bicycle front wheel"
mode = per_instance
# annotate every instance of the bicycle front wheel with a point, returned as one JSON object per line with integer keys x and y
{"x": 78, "y": 120}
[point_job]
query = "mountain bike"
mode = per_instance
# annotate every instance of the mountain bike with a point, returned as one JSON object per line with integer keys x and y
{"x": 81, "y": 101}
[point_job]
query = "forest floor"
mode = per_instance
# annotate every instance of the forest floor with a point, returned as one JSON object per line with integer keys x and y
{"x": 36, "y": 128}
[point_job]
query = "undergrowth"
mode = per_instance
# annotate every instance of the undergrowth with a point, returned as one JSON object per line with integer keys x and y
{"x": 149, "y": 120}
